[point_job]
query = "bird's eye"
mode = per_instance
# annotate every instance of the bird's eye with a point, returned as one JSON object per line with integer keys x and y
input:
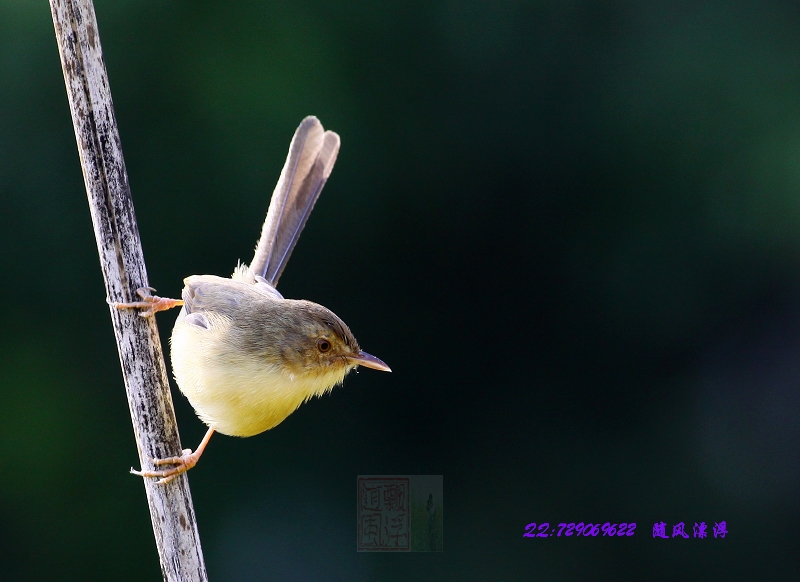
{"x": 323, "y": 345}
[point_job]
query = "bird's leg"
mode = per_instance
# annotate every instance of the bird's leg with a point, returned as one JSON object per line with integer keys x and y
{"x": 150, "y": 303}
{"x": 183, "y": 463}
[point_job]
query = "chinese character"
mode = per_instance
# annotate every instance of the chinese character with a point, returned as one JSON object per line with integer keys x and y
{"x": 397, "y": 531}
{"x": 383, "y": 514}
{"x": 394, "y": 496}
{"x": 371, "y": 499}
{"x": 699, "y": 531}
{"x": 660, "y": 530}
{"x": 370, "y": 530}
{"x": 678, "y": 530}
{"x": 720, "y": 529}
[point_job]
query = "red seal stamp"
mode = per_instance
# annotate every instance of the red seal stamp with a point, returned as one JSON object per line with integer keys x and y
{"x": 384, "y": 520}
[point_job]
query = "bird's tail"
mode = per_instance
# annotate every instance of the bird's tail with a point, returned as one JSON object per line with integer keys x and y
{"x": 309, "y": 163}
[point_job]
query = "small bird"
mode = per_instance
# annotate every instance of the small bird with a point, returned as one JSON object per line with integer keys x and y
{"x": 243, "y": 355}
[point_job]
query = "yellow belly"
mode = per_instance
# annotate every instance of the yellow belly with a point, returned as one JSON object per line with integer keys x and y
{"x": 235, "y": 394}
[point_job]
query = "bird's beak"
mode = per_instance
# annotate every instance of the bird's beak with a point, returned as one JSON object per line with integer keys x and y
{"x": 368, "y": 361}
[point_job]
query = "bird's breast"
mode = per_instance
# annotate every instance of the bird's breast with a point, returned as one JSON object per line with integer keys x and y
{"x": 233, "y": 391}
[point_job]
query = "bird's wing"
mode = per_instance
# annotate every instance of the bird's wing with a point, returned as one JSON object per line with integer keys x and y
{"x": 309, "y": 163}
{"x": 207, "y": 296}
{"x": 212, "y": 294}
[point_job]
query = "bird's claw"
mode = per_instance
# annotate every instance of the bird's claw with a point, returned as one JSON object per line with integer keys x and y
{"x": 183, "y": 463}
{"x": 150, "y": 304}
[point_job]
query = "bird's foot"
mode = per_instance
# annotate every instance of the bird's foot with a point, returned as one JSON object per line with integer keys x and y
{"x": 182, "y": 464}
{"x": 150, "y": 304}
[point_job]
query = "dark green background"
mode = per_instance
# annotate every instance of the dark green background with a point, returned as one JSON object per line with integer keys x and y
{"x": 571, "y": 228}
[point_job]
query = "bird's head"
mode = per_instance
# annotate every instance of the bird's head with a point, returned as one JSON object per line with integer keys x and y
{"x": 319, "y": 346}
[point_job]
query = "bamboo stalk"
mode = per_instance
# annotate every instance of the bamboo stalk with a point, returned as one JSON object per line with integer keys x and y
{"x": 122, "y": 262}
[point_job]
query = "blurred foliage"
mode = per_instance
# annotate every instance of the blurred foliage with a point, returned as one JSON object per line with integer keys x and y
{"x": 426, "y": 536}
{"x": 571, "y": 228}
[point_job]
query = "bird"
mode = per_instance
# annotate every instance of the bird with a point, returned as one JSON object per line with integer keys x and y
{"x": 243, "y": 355}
